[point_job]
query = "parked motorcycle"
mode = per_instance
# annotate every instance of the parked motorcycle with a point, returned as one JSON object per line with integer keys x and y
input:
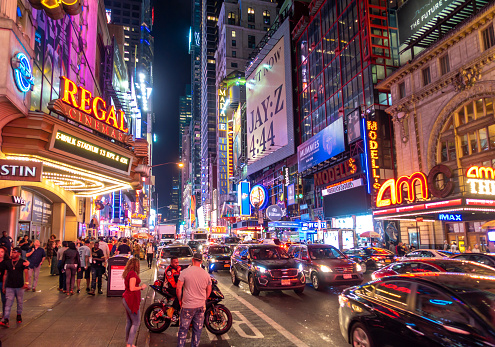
{"x": 218, "y": 319}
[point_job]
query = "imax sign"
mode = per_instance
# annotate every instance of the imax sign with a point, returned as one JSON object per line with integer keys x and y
{"x": 449, "y": 217}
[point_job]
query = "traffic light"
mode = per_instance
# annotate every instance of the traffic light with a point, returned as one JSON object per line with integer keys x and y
{"x": 299, "y": 191}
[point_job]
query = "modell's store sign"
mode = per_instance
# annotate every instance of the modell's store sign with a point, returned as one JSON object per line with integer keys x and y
{"x": 19, "y": 170}
{"x": 338, "y": 172}
{"x": 80, "y": 106}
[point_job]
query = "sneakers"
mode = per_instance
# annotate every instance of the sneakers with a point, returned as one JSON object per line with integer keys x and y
{"x": 78, "y": 291}
{"x": 19, "y": 319}
{"x": 100, "y": 291}
{"x": 92, "y": 292}
{"x": 87, "y": 289}
{"x": 4, "y": 323}
{"x": 34, "y": 289}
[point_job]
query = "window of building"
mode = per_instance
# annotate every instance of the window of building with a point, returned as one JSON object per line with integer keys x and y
{"x": 233, "y": 33}
{"x": 426, "y": 76}
{"x": 251, "y": 41}
{"x": 234, "y": 43}
{"x": 462, "y": 136}
{"x": 488, "y": 37}
{"x": 233, "y": 64}
{"x": 267, "y": 28}
{"x": 266, "y": 17}
{"x": 444, "y": 64}
{"x": 250, "y": 14}
{"x": 231, "y": 18}
{"x": 234, "y": 54}
{"x": 402, "y": 90}
{"x": 250, "y": 26}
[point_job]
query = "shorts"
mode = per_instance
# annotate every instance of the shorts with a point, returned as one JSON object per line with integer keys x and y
{"x": 86, "y": 271}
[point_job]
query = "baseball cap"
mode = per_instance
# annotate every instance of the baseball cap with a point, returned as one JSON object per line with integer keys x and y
{"x": 197, "y": 256}
{"x": 17, "y": 249}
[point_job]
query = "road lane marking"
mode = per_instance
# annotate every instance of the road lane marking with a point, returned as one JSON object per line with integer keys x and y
{"x": 236, "y": 324}
{"x": 214, "y": 337}
{"x": 288, "y": 335}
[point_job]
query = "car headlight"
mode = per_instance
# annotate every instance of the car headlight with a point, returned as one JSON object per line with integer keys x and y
{"x": 213, "y": 260}
{"x": 325, "y": 268}
{"x": 359, "y": 268}
{"x": 261, "y": 269}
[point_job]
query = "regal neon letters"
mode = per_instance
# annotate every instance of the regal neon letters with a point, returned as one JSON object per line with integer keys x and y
{"x": 81, "y": 99}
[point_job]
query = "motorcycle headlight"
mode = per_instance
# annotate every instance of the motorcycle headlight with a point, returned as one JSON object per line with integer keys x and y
{"x": 359, "y": 268}
{"x": 325, "y": 268}
{"x": 300, "y": 268}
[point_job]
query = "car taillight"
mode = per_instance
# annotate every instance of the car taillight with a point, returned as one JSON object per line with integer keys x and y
{"x": 343, "y": 300}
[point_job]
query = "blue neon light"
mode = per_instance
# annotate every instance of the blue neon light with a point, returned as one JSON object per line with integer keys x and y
{"x": 440, "y": 302}
{"x": 366, "y": 155}
{"x": 23, "y": 74}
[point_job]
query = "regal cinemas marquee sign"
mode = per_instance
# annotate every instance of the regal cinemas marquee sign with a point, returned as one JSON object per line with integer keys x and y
{"x": 80, "y": 106}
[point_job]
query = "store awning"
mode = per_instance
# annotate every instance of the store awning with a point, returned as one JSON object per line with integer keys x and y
{"x": 489, "y": 225}
{"x": 81, "y": 182}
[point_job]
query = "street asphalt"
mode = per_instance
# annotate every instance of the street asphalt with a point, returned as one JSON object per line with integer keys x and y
{"x": 50, "y": 318}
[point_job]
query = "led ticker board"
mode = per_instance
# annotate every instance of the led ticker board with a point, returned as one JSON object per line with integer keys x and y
{"x": 87, "y": 150}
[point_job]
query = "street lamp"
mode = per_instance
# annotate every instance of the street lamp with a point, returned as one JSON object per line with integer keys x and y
{"x": 180, "y": 165}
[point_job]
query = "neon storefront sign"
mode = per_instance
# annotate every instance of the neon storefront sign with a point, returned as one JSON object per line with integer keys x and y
{"x": 23, "y": 73}
{"x": 392, "y": 191}
{"x": 481, "y": 180}
{"x": 258, "y": 197}
{"x": 79, "y": 105}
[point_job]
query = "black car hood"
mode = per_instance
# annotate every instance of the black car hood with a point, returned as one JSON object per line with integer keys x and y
{"x": 276, "y": 264}
{"x": 225, "y": 256}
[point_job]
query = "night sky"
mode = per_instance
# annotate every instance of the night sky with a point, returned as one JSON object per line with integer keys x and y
{"x": 172, "y": 72}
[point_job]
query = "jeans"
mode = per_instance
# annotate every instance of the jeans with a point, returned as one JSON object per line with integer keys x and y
{"x": 34, "y": 272}
{"x": 132, "y": 325}
{"x": 10, "y": 294}
{"x": 61, "y": 277}
{"x": 197, "y": 316}
{"x": 96, "y": 272}
{"x": 70, "y": 275}
{"x": 149, "y": 257}
{"x": 4, "y": 299}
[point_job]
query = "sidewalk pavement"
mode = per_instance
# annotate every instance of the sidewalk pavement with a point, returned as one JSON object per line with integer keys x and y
{"x": 51, "y": 318}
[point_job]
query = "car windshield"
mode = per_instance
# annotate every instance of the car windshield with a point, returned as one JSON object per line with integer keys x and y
{"x": 180, "y": 252}
{"x": 324, "y": 253}
{"x": 219, "y": 250}
{"x": 200, "y": 236}
{"x": 268, "y": 253}
{"x": 480, "y": 295}
{"x": 465, "y": 267}
{"x": 232, "y": 240}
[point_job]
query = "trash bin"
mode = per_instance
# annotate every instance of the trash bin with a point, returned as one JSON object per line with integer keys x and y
{"x": 115, "y": 282}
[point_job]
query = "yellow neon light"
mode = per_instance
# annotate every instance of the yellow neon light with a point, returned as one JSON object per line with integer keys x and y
{"x": 56, "y": 3}
{"x": 87, "y": 175}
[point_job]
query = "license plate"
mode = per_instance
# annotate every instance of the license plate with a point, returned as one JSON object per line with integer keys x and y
{"x": 226, "y": 265}
{"x": 388, "y": 260}
{"x": 286, "y": 282}
{"x": 347, "y": 276}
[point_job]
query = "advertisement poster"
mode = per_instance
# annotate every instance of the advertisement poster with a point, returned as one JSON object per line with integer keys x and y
{"x": 331, "y": 238}
{"x": 353, "y": 126}
{"x": 324, "y": 145}
{"x": 25, "y": 211}
{"x": 347, "y": 239}
{"x": 291, "y": 194}
{"x": 267, "y": 105}
{"x": 37, "y": 209}
{"x": 117, "y": 282}
{"x": 237, "y": 150}
{"x": 243, "y": 191}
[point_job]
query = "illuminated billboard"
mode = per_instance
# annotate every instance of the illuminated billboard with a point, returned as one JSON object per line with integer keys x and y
{"x": 269, "y": 118}
{"x": 327, "y": 143}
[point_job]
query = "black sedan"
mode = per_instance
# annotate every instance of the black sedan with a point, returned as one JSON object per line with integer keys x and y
{"x": 430, "y": 309}
{"x": 371, "y": 258}
{"x": 487, "y": 259}
{"x": 216, "y": 257}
